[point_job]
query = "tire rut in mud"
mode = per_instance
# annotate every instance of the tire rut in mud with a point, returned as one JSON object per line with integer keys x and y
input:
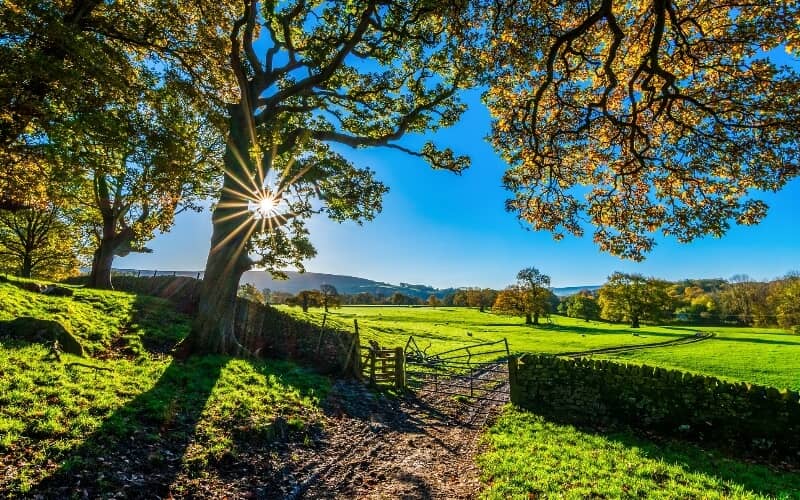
{"x": 420, "y": 445}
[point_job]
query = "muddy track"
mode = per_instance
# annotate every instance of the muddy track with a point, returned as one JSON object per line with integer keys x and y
{"x": 373, "y": 446}
{"x": 697, "y": 337}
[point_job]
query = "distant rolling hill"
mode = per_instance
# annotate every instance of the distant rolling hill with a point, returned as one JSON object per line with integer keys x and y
{"x": 572, "y": 290}
{"x": 344, "y": 284}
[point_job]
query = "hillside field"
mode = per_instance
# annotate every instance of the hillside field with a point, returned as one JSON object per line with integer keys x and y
{"x": 762, "y": 356}
{"x": 140, "y": 424}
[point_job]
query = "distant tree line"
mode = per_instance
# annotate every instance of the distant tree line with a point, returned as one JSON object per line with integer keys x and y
{"x": 634, "y": 298}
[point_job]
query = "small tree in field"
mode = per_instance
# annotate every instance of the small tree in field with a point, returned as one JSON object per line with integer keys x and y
{"x": 433, "y": 300}
{"x": 306, "y": 299}
{"x": 536, "y": 286}
{"x": 632, "y": 298}
{"x": 513, "y": 301}
{"x": 329, "y": 296}
{"x": 582, "y": 306}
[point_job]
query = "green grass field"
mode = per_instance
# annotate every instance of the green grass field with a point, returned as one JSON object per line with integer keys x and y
{"x": 57, "y": 420}
{"x": 763, "y": 356}
{"x": 530, "y": 457}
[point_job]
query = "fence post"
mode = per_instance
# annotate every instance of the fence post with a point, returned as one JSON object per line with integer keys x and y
{"x": 512, "y": 379}
{"x": 399, "y": 368}
{"x": 321, "y": 332}
{"x": 356, "y": 351}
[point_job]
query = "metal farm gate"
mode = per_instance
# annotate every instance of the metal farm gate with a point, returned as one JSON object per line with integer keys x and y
{"x": 473, "y": 374}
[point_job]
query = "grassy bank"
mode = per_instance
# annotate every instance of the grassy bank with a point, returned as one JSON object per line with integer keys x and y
{"x": 133, "y": 417}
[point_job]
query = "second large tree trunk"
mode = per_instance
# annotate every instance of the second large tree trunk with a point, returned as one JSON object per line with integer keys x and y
{"x": 103, "y": 260}
{"x": 213, "y": 327}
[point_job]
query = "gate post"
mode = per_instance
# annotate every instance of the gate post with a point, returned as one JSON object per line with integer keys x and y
{"x": 356, "y": 352}
{"x": 399, "y": 368}
{"x": 512, "y": 379}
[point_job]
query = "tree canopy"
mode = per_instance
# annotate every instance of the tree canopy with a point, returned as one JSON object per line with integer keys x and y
{"x": 633, "y": 298}
{"x": 643, "y": 116}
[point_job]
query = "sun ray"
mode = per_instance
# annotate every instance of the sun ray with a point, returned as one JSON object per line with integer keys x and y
{"x": 289, "y": 164}
{"x": 233, "y": 215}
{"x": 239, "y": 158}
{"x": 248, "y": 222}
{"x": 240, "y": 248}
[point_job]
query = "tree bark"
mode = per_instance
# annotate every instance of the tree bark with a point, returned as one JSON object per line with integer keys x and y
{"x": 536, "y": 318}
{"x": 635, "y": 322}
{"x": 27, "y": 266}
{"x": 213, "y": 328}
{"x": 528, "y": 320}
{"x": 102, "y": 262}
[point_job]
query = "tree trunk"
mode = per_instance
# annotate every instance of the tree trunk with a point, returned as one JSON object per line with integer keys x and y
{"x": 635, "y": 322}
{"x": 102, "y": 262}
{"x": 213, "y": 328}
{"x": 528, "y": 320}
{"x": 536, "y": 318}
{"x": 27, "y": 266}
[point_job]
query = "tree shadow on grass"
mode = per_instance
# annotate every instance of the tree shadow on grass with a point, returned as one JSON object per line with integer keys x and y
{"x": 138, "y": 450}
{"x": 589, "y": 330}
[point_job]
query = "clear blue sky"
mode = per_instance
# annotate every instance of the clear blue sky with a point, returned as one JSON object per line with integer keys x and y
{"x": 445, "y": 230}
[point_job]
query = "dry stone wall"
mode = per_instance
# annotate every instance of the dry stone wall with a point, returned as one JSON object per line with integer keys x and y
{"x": 263, "y": 330}
{"x": 738, "y": 416}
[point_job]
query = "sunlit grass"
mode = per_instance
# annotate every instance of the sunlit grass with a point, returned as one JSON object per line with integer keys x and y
{"x": 529, "y": 457}
{"x": 55, "y": 418}
{"x": 763, "y": 356}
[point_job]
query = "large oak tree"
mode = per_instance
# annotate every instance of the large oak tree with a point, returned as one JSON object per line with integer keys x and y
{"x": 140, "y": 162}
{"x": 313, "y": 77}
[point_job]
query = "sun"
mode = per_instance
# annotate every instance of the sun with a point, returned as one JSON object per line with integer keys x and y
{"x": 265, "y": 206}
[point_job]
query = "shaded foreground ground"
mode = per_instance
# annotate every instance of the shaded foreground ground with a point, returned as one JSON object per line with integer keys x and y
{"x": 411, "y": 447}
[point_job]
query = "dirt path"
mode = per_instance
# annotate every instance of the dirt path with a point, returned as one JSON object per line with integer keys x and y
{"x": 379, "y": 447}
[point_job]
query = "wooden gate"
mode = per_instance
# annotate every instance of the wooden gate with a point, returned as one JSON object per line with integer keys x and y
{"x": 476, "y": 372}
{"x": 383, "y": 366}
